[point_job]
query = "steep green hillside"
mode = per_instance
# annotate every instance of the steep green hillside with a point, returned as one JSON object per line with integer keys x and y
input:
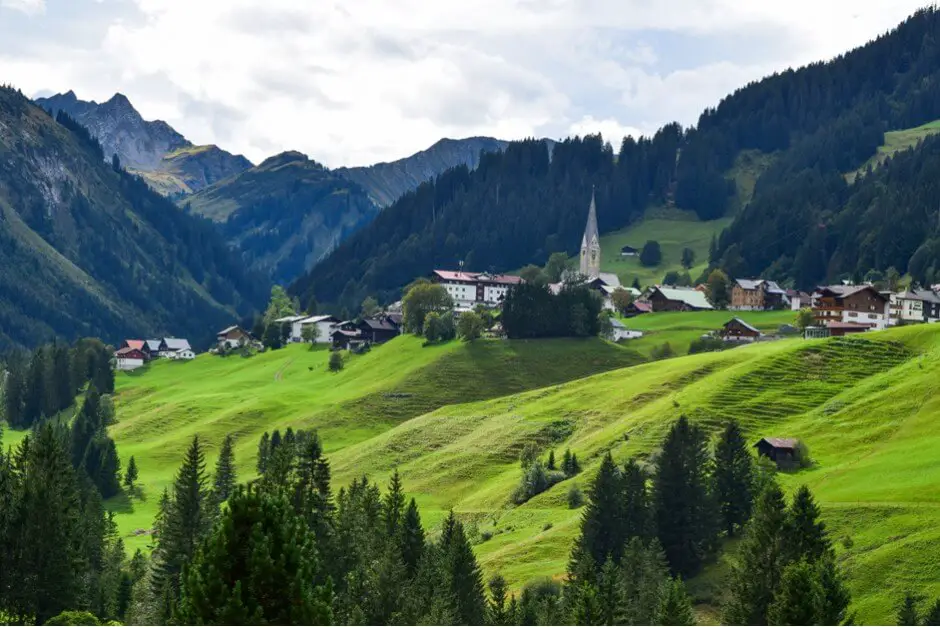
{"x": 680, "y": 329}
{"x": 895, "y": 142}
{"x": 89, "y": 251}
{"x": 161, "y": 408}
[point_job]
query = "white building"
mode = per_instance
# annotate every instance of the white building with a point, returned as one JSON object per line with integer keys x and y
{"x": 324, "y": 325}
{"x": 469, "y": 289}
{"x": 914, "y": 306}
{"x": 621, "y": 332}
{"x": 129, "y": 359}
{"x": 184, "y": 354}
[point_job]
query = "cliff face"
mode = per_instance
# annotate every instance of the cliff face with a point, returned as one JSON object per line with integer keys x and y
{"x": 169, "y": 162}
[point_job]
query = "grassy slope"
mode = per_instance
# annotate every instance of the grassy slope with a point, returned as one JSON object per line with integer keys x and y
{"x": 896, "y": 141}
{"x": 161, "y": 408}
{"x": 680, "y": 329}
{"x": 865, "y": 406}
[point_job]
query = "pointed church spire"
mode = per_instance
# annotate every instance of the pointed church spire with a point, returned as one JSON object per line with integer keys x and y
{"x": 590, "y": 243}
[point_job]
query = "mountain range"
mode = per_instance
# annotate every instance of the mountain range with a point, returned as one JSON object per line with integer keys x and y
{"x": 87, "y": 249}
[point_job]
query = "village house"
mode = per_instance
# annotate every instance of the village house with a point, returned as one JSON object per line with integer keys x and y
{"x": 469, "y": 289}
{"x": 152, "y": 348}
{"x": 850, "y": 305}
{"x": 637, "y": 308}
{"x": 184, "y": 354}
{"x": 737, "y": 330}
{"x": 799, "y": 300}
{"x": 140, "y": 345}
{"x": 292, "y": 322}
{"x": 323, "y": 323}
{"x": 757, "y": 295}
{"x": 629, "y": 251}
{"x": 233, "y": 337}
{"x": 663, "y": 298}
{"x": 379, "y": 329}
{"x": 129, "y": 358}
{"x": 784, "y": 452}
{"x": 621, "y": 332}
{"x": 345, "y": 339}
{"x": 914, "y": 305}
{"x": 173, "y": 348}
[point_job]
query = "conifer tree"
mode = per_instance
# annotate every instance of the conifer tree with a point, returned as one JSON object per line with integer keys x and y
{"x": 130, "y": 475}
{"x": 932, "y": 617}
{"x": 675, "y": 607}
{"x": 84, "y": 427}
{"x": 108, "y": 473}
{"x": 806, "y": 534}
{"x": 393, "y": 507}
{"x": 312, "y": 497}
{"x": 685, "y": 516}
{"x": 13, "y": 393}
{"x": 733, "y": 478}
{"x": 223, "y": 483}
{"x": 185, "y": 524}
{"x": 566, "y": 463}
{"x": 412, "y": 538}
{"x": 602, "y": 532}
{"x": 587, "y": 608}
{"x": 497, "y": 611}
{"x": 61, "y": 376}
{"x": 761, "y": 559}
{"x": 834, "y": 604}
{"x": 264, "y": 450}
{"x": 464, "y": 579}
{"x": 637, "y": 509}
{"x": 610, "y": 590}
{"x": 551, "y": 460}
{"x": 258, "y": 567}
{"x": 908, "y": 610}
{"x": 36, "y": 389}
{"x": 799, "y": 597}
{"x": 644, "y": 575}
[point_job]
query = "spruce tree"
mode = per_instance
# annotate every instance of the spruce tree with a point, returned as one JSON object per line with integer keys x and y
{"x": 610, "y": 594}
{"x": 463, "y": 575}
{"x": 223, "y": 483}
{"x": 566, "y": 463}
{"x": 602, "y": 530}
{"x": 13, "y": 393}
{"x": 685, "y": 516}
{"x": 393, "y": 506}
{"x": 35, "y": 389}
{"x": 675, "y": 607}
{"x": 733, "y": 478}
{"x": 551, "y": 460}
{"x": 108, "y": 472}
{"x": 908, "y": 611}
{"x": 258, "y": 567}
{"x": 932, "y": 617}
{"x": 412, "y": 538}
{"x": 798, "y": 598}
{"x": 834, "y": 604}
{"x": 761, "y": 559}
{"x": 312, "y": 497}
{"x": 497, "y": 611}
{"x": 644, "y": 573}
{"x": 806, "y": 536}
{"x": 637, "y": 509}
{"x": 586, "y": 608}
{"x": 85, "y": 426}
{"x": 130, "y": 475}
{"x": 264, "y": 450}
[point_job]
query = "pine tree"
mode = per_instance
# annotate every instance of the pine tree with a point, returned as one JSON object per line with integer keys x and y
{"x": 908, "y": 610}
{"x": 733, "y": 478}
{"x": 675, "y": 607}
{"x": 685, "y": 516}
{"x": 185, "y": 524}
{"x": 610, "y": 594}
{"x": 637, "y": 509}
{"x": 108, "y": 475}
{"x": 13, "y": 393}
{"x": 806, "y": 534}
{"x": 62, "y": 376}
{"x": 223, "y": 483}
{"x": 84, "y": 427}
{"x": 799, "y": 597}
{"x": 933, "y": 614}
{"x": 644, "y": 574}
{"x": 761, "y": 560}
{"x": 412, "y": 538}
{"x": 264, "y": 450}
{"x": 256, "y": 568}
{"x": 393, "y": 506}
{"x": 497, "y": 611}
{"x": 551, "y": 460}
{"x": 465, "y": 581}
{"x": 835, "y": 599}
{"x": 602, "y": 532}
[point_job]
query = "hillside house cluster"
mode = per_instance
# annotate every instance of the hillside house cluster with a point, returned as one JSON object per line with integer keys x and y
{"x": 133, "y": 354}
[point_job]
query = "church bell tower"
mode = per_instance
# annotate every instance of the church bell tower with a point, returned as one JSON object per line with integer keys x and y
{"x": 591, "y": 245}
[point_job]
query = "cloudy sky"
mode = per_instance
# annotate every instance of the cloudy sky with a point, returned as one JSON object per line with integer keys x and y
{"x": 352, "y": 82}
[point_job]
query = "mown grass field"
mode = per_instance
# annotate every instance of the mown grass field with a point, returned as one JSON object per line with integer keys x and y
{"x": 680, "y": 329}
{"x": 896, "y": 141}
{"x": 453, "y": 419}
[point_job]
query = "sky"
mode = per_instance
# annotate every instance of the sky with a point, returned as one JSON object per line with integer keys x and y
{"x": 355, "y": 82}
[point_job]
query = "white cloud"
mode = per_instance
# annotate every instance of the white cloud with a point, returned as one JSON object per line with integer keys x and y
{"x": 29, "y": 7}
{"x": 357, "y": 81}
{"x": 612, "y": 130}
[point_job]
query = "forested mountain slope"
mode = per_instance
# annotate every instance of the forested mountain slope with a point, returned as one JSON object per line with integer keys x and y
{"x": 153, "y": 149}
{"x": 87, "y": 250}
{"x": 809, "y": 127}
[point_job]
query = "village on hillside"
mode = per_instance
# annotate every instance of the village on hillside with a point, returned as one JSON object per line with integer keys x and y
{"x": 828, "y": 311}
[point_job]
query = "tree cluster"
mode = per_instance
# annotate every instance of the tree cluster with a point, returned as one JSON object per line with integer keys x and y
{"x": 533, "y": 311}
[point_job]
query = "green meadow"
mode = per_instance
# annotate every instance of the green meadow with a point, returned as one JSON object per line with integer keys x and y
{"x": 896, "y": 141}
{"x": 453, "y": 419}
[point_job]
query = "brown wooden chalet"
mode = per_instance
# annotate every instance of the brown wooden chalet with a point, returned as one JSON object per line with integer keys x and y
{"x": 783, "y": 451}
{"x": 858, "y": 304}
{"x": 756, "y": 294}
{"x": 233, "y": 336}
{"x": 378, "y": 330}
{"x": 737, "y": 330}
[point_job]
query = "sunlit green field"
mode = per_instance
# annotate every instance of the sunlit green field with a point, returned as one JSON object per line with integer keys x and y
{"x": 454, "y": 418}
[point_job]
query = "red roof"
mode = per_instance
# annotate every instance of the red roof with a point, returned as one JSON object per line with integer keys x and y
{"x": 477, "y": 277}
{"x": 643, "y": 306}
{"x": 130, "y": 352}
{"x": 135, "y": 344}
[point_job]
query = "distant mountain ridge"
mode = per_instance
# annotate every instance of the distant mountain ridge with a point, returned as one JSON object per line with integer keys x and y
{"x": 155, "y": 150}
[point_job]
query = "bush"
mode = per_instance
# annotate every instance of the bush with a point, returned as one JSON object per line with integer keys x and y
{"x": 547, "y": 526}
{"x": 470, "y": 326}
{"x": 575, "y": 497}
{"x": 663, "y": 351}
{"x": 486, "y": 536}
{"x": 708, "y": 344}
{"x": 651, "y": 255}
{"x": 535, "y": 480}
{"x": 802, "y": 457}
{"x": 73, "y": 617}
{"x": 336, "y": 361}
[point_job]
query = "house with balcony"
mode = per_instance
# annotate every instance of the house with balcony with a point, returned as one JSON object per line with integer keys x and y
{"x": 861, "y": 306}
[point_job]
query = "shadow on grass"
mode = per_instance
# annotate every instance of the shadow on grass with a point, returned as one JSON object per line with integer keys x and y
{"x": 123, "y": 503}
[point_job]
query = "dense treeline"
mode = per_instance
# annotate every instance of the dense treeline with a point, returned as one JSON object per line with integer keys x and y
{"x": 126, "y": 261}
{"x": 531, "y": 310}
{"x": 516, "y": 208}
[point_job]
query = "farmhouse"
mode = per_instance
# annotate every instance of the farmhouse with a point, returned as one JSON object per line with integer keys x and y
{"x": 604, "y": 284}
{"x": 129, "y": 358}
{"x": 233, "y": 337}
{"x": 798, "y": 300}
{"x": 629, "y": 251}
{"x": 323, "y": 324}
{"x": 756, "y": 295}
{"x": 153, "y": 348}
{"x": 378, "y": 330}
{"x": 663, "y": 298}
{"x": 621, "y": 332}
{"x": 783, "y": 451}
{"x": 343, "y": 339}
{"x": 914, "y": 305}
{"x": 737, "y": 330}
{"x": 184, "y": 354}
{"x": 637, "y": 308}
{"x": 469, "y": 289}
{"x": 169, "y": 346}
{"x": 856, "y": 304}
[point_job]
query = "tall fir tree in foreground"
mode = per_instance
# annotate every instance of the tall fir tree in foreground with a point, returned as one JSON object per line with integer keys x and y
{"x": 733, "y": 478}
{"x": 686, "y": 519}
{"x": 223, "y": 482}
{"x": 258, "y": 567}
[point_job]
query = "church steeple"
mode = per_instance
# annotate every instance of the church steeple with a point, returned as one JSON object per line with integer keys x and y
{"x": 591, "y": 244}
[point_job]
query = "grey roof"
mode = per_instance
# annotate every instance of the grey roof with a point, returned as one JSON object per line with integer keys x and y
{"x": 609, "y": 278}
{"x": 615, "y": 323}
{"x": 753, "y": 284}
{"x": 928, "y": 296}
{"x": 590, "y": 231}
{"x": 176, "y": 344}
{"x": 780, "y": 442}
{"x": 744, "y": 324}
{"x": 689, "y": 296}
{"x": 290, "y": 319}
{"x": 153, "y": 345}
{"x": 316, "y": 319}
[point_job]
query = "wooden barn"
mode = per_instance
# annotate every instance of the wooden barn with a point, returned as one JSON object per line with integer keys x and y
{"x": 783, "y": 451}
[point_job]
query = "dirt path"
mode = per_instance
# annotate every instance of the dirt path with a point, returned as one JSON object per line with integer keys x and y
{"x": 280, "y": 373}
